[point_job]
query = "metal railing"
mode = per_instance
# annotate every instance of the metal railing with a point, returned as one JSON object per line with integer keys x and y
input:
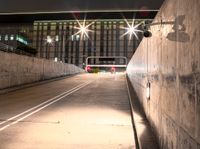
{"x": 108, "y": 58}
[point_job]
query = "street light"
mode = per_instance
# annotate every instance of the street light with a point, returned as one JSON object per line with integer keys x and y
{"x": 146, "y": 32}
{"x": 83, "y": 29}
{"x": 132, "y": 29}
{"x": 49, "y": 40}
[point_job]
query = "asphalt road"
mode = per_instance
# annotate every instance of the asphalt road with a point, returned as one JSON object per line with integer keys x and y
{"x": 87, "y": 111}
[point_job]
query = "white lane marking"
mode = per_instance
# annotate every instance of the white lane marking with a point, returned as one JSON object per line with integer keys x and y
{"x": 64, "y": 94}
{"x": 10, "y": 119}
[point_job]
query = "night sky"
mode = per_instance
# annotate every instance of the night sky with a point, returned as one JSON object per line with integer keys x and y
{"x": 76, "y": 5}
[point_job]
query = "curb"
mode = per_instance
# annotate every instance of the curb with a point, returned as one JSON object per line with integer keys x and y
{"x": 144, "y": 135}
{"x": 137, "y": 142}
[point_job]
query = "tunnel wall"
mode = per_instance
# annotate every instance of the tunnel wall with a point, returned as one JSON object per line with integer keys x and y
{"x": 170, "y": 60}
{"x": 17, "y": 69}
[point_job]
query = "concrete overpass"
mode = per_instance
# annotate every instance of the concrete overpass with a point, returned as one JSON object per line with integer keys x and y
{"x": 155, "y": 104}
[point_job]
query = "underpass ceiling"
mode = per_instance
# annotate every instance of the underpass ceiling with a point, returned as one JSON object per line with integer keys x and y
{"x": 32, "y": 6}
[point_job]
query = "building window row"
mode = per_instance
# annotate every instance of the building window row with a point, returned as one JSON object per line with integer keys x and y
{"x": 13, "y": 37}
{"x": 7, "y": 37}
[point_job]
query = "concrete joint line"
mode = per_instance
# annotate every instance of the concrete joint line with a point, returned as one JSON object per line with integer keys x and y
{"x": 41, "y": 106}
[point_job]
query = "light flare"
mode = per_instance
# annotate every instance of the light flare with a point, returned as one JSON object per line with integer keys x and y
{"x": 131, "y": 29}
{"x": 49, "y": 40}
{"x": 83, "y": 29}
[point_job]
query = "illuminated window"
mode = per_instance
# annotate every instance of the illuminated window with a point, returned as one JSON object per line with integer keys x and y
{"x": 72, "y": 38}
{"x": 11, "y": 37}
{"x": 6, "y": 37}
{"x": 77, "y": 37}
{"x": 57, "y": 38}
{"x": 21, "y": 39}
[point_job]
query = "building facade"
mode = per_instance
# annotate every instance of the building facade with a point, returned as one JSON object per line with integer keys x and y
{"x": 60, "y": 38}
{"x": 16, "y": 34}
{"x": 69, "y": 45}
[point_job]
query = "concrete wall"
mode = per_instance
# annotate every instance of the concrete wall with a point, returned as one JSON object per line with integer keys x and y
{"x": 170, "y": 59}
{"x": 17, "y": 69}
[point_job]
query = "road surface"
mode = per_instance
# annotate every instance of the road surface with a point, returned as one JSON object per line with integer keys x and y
{"x": 87, "y": 111}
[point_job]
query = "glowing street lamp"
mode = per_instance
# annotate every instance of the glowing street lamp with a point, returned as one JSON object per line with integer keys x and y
{"x": 49, "y": 40}
{"x": 83, "y": 29}
{"x": 131, "y": 29}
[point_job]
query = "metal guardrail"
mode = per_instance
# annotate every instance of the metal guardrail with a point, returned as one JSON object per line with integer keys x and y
{"x": 112, "y": 66}
{"x": 107, "y": 57}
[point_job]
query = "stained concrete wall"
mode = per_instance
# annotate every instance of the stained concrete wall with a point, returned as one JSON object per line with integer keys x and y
{"x": 170, "y": 60}
{"x": 17, "y": 69}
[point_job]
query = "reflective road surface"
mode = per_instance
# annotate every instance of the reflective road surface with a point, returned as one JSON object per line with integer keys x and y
{"x": 87, "y": 111}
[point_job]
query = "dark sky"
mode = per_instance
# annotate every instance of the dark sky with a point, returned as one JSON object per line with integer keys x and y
{"x": 7, "y": 6}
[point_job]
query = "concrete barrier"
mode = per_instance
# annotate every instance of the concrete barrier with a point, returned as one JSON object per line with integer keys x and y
{"x": 17, "y": 70}
{"x": 170, "y": 60}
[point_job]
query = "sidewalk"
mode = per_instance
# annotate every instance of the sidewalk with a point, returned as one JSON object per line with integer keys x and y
{"x": 144, "y": 135}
